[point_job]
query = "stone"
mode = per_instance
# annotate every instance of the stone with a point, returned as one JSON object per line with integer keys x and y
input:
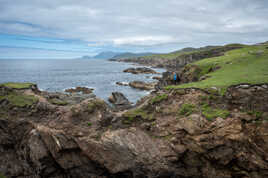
{"x": 122, "y": 83}
{"x": 119, "y": 100}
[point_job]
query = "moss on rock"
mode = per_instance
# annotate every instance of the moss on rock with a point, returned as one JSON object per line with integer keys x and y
{"x": 141, "y": 113}
{"x": 59, "y": 102}
{"x": 212, "y": 113}
{"x": 159, "y": 98}
{"x": 18, "y": 85}
{"x": 20, "y": 100}
{"x": 187, "y": 109}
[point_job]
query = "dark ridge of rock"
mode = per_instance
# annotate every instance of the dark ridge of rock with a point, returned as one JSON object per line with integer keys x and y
{"x": 142, "y": 85}
{"x": 83, "y": 90}
{"x": 119, "y": 100}
{"x": 140, "y": 70}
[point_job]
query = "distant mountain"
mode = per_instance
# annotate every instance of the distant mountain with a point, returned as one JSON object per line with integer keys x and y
{"x": 106, "y": 55}
{"x": 86, "y": 57}
{"x": 190, "y": 49}
{"x": 116, "y": 55}
{"x": 131, "y": 55}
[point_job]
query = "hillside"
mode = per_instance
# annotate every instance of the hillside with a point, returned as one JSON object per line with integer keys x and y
{"x": 130, "y": 55}
{"x": 176, "y": 60}
{"x": 246, "y": 65}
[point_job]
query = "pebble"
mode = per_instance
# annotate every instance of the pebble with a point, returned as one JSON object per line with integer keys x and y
{"x": 214, "y": 88}
{"x": 264, "y": 86}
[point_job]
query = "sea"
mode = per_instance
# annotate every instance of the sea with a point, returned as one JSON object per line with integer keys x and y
{"x": 56, "y": 75}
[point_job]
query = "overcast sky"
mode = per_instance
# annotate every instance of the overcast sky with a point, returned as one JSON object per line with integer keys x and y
{"x": 72, "y": 28}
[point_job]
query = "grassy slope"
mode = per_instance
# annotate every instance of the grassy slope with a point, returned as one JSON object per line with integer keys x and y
{"x": 175, "y": 54}
{"x": 237, "y": 66}
{"x": 17, "y": 85}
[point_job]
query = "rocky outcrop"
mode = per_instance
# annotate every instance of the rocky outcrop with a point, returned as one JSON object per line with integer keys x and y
{"x": 83, "y": 90}
{"x": 119, "y": 100}
{"x": 140, "y": 70}
{"x": 142, "y": 85}
{"x": 167, "y": 79}
{"x": 163, "y": 136}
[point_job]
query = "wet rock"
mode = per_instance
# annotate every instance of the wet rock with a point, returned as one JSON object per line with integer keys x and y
{"x": 142, "y": 85}
{"x": 122, "y": 83}
{"x": 83, "y": 90}
{"x": 140, "y": 70}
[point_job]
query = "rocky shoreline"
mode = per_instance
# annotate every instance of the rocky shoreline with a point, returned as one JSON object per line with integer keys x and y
{"x": 160, "y": 137}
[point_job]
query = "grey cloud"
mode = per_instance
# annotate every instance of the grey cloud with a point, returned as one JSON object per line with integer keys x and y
{"x": 141, "y": 23}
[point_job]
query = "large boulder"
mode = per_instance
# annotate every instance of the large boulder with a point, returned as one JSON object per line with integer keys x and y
{"x": 142, "y": 85}
{"x": 119, "y": 100}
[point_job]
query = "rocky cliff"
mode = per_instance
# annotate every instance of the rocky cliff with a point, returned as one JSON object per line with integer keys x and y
{"x": 175, "y": 133}
{"x": 175, "y": 61}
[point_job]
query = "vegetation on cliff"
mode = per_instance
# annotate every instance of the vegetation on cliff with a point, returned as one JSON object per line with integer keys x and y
{"x": 246, "y": 65}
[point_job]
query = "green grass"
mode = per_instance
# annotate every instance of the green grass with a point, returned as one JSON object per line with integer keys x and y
{"x": 187, "y": 109}
{"x": 236, "y": 66}
{"x": 159, "y": 98}
{"x": 17, "y": 85}
{"x": 20, "y": 100}
{"x": 131, "y": 115}
{"x": 212, "y": 113}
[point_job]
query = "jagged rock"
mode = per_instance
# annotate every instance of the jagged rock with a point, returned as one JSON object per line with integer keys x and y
{"x": 83, "y": 90}
{"x": 119, "y": 100}
{"x": 140, "y": 70}
{"x": 167, "y": 79}
{"x": 142, "y": 85}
